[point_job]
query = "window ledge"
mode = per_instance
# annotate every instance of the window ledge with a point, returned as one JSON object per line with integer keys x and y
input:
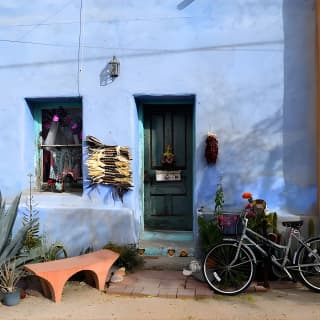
{"x": 65, "y": 200}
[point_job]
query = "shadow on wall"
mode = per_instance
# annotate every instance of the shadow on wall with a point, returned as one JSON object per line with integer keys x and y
{"x": 299, "y": 106}
{"x": 251, "y": 161}
{"x": 277, "y": 159}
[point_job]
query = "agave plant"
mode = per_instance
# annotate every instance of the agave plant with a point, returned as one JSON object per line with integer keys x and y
{"x": 10, "y": 246}
{"x": 49, "y": 252}
{"x": 9, "y": 276}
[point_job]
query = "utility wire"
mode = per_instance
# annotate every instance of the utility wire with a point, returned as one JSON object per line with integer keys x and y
{"x": 106, "y": 21}
{"x": 44, "y": 20}
{"x": 235, "y": 46}
{"x": 39, "y": 43}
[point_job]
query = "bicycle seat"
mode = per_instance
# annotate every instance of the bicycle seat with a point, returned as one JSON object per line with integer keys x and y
{"x": 293, "y": 224}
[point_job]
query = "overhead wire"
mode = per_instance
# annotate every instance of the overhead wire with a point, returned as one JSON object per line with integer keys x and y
{"x": 236, "y": 46}
{"x": 106, "y": 21}
{"x": 154, "y": 50}
{"x": 44, "y": 20}
{"x": 139, "y": 51}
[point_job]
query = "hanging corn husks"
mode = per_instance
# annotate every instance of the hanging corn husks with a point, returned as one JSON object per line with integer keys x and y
{"x": 109, "y": 165}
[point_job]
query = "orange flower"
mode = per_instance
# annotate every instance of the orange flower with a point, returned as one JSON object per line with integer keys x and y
{"x": 247, "y": 195}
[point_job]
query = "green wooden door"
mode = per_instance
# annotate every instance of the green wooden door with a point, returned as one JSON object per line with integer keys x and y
{"x": 168, "y": 203}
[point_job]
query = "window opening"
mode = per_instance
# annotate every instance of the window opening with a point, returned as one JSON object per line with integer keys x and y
{"x": 61, "y": 144}
{"x": 58, "y": 137}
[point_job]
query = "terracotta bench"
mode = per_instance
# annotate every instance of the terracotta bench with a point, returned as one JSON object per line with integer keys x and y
{"x": 54, "y": 274}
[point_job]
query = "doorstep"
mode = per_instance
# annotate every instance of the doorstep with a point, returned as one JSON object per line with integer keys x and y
{"x": 167, "y": 243}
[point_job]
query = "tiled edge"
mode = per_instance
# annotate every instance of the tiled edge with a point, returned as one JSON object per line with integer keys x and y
{"x": 203, "y": 293}
{"x": 168, "y": 292}
{"x": 119, "y": 290}
{"x": 186, "y": 293}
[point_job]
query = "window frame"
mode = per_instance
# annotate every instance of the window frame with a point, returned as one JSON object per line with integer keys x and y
{"x": 37, "y": 106}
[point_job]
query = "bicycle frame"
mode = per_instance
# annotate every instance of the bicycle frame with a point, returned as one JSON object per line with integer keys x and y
{"x": 246, "y": 241}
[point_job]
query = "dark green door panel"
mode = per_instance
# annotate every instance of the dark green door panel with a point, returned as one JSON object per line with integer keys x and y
{"x": 168, "y": 204}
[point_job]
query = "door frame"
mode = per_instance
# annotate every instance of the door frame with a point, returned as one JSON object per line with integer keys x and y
{"x": 141, "y": 101}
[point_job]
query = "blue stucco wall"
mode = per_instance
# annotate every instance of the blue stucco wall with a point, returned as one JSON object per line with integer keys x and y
{"x": 249, "y": 63}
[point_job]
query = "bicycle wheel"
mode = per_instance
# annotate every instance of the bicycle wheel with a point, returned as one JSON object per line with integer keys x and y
{"x": 225, "y": 274}
{"x": 308, "y": 264}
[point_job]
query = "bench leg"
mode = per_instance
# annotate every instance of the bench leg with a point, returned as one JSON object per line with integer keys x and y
{"x": 102, "y": 272}
{"x": 46, "y": 288}
{"x": 101, "y": 280}
{"x": 52, "y": 289}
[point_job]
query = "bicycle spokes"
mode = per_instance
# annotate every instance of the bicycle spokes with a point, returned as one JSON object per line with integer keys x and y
{"x": 308, "y": 264}
{"x": 227, "y": 269}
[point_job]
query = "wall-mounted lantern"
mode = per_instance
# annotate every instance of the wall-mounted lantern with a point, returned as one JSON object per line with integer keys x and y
{"x": 114, "y": 67}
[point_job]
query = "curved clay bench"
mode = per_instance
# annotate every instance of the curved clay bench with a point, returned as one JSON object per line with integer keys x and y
{"x": 54, "y": 274}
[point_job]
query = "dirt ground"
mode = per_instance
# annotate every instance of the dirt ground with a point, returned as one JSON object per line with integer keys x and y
{"x": 81, "y": 301}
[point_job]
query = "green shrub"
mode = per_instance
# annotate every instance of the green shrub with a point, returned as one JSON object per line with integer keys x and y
{"x": 129, "y": 257}
{"x": 209, "y": 233}
{"x": 264, "y": 224}
{"x": 53, "y": 252}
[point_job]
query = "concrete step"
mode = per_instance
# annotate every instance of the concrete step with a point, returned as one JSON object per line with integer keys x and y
{"x": 167, "y": 243}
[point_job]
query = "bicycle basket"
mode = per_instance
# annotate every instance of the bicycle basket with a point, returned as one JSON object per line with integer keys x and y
{"x": 230, "y": 224}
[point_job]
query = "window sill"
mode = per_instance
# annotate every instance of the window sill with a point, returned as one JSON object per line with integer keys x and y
{"x": 56, "y": 199}
{"x": 60, "y": 145}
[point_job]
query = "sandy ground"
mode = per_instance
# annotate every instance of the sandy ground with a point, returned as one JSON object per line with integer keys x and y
{"x": 81, "y": 301}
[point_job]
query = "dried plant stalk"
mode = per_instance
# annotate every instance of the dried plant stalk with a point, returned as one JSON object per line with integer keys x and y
{"x": 109, "y": 165}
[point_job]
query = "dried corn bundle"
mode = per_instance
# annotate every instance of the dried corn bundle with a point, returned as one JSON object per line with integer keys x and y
{"x": 109, "y": 165}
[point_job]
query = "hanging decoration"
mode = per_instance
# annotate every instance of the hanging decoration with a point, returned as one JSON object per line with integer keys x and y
{"x": 168, "y": 157}
{"x": 109, "y": 165}
{"x": 212, "y": 148}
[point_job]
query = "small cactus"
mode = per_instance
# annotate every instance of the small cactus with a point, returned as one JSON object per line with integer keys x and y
{"x": 219, "y": 199}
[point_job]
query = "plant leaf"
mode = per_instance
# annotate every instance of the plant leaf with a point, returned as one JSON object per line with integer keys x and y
{"x": 15, "y": 245}
{"x": 7, "y": 220}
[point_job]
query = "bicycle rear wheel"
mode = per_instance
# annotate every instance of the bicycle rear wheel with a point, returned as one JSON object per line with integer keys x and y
{"x": 224, "y": 272}
{"x": 308, "y": 264}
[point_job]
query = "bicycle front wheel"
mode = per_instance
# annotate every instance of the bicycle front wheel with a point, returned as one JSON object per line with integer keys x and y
{"x": 227, "y": 272}
{"x": 308, "y": 264}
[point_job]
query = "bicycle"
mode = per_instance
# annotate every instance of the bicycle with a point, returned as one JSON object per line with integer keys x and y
{"x": 229, "y": 267}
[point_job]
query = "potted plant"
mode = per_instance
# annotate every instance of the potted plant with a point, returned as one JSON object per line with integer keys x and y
{"x": 9, "y": 277}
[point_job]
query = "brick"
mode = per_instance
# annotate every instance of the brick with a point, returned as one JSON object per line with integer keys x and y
{"x": 172, "y": 283}
{"x": 285, "y": 285}
{"x": 203, "y": 293}
{"x": 186, "y": 293}
{"x": 168, "y": 292}
{"x": 150, "y": 291}
{"x": 121, "y": 290}
{"x": 150, "y": 282}
{"x": 193, "y": 283}
{"x": 145, "y": 291}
